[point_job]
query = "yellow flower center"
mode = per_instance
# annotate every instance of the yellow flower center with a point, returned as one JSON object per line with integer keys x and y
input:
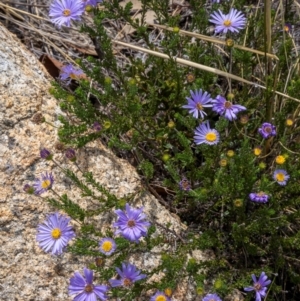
{"x": 73, "y": 75}
{"x": 286, "y": 28}
{"x": 268, "y": 129}
{"x": 199, "y": 106}
{"x": 89, "y": 288}
{"x": 257, "y": 286}
{"x": 289, "y": 122}
{"x": 261, "y": 193}
{"x": 227, "y": 104}
{"x": 131, "y": 223}
{"x": 227, "y": 23}
{"x": 185, "y": 184}
{"x": 280, "y": 177}
{"x": 56, "y": 233}
{"x": 127, "y": 282}
{"x": 280, "y": 160}
{"x": 107, "y": 246}
{"x": 66, "y": 12}
{"x": 46, "y": 184}
{"x": 211, "y": 137}
{"x": 160, "y": 298}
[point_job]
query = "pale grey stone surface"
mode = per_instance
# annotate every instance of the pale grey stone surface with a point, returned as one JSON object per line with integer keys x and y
{"x": 26, "y": 272}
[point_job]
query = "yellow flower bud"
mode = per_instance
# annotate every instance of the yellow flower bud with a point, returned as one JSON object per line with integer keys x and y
{"x": 280, "y": 159}
{"x": 230, "y": 96}
{"x": 229, "y": 42}
{"x": 171, "y": 124}
{"x": 289, "y": 122}
{"x": 230, "y": 153}
{"x": 257, "y": 150}
{"x": 107, "y": 124}
{"x": 166, "y": 157}
{"x": 238, "y": 203}
{"x": 223, "y": 162}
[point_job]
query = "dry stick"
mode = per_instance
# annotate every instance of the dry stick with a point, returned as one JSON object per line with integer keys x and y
{"x": 24, "y": 4}
{"x": 22, "y": 11}
{"x": 214, "y": 40}
{"x": 268, "y": 62}
{"x": 200, "y": 66}
{"x": 43, "y": 34}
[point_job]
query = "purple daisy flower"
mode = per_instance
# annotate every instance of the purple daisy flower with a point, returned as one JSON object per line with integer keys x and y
{"x": 204, "y": 134}
{"x": 197, "y": 102}
{"x": 91, "y": 2}
{"x": 259, "y": 197}
{"x": 281, "y": 176}
{"x": 225, "y": 107}
{"x": 84, "y": 288}
{"x": 184, "y": 184}
{"x": 267, "y": 130}
{"x": 160, "y": 296}
{"x": 54, "y": 233}
{"x": 233, "y": 21}
{"x": 43, "y": 184}
{"x": 131, "y": 223}
{"x": 107, "y": 246}
{"x": 63, "y": 11}
{"x": 259, "y": 286}
{"x": 129, "y": 274}
{"x": 45, "y": 154}
{"x": 69, "y": 72}
{"x": 211, "y": 297}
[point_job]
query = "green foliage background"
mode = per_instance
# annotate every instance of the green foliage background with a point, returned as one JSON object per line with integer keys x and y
{"x": 138, "y": 103}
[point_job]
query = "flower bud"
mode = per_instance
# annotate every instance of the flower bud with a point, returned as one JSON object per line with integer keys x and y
{"x": 70, "y": 154}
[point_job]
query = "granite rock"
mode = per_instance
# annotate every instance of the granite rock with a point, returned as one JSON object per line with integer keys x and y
{"x": 26, "y": 272}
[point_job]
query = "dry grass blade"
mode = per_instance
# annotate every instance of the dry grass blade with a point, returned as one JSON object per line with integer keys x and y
{"x": 199, "y": 66}
{"x": 215, "y": 40}
{"x": 13, "y": 9}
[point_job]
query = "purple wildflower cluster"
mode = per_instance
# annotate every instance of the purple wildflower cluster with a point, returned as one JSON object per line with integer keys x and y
{"x": 55, "y": 233}
{"x": 199, "y": 100}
